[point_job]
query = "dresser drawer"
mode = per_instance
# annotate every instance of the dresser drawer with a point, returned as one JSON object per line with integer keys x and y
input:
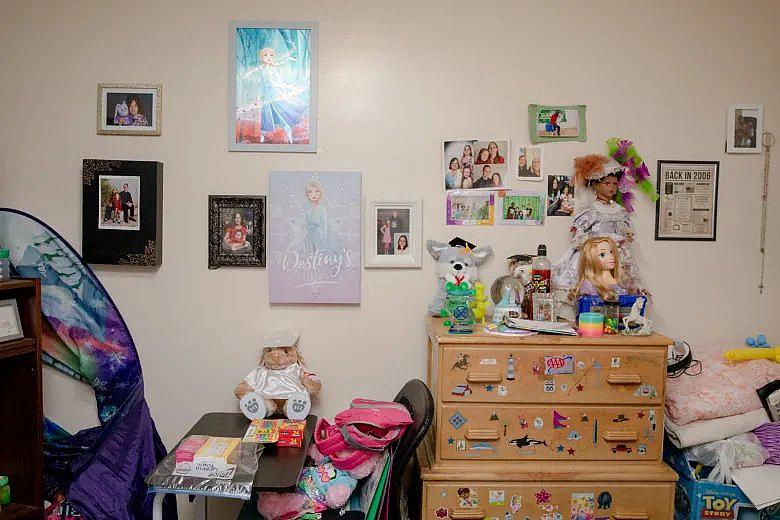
{"x": 534, "y": 374}
{"x": 548, "y": 500}
{"x": 549, "y": 432}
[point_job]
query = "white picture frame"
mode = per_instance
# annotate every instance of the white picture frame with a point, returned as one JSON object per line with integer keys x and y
{"x": 10, "y": 323}
{"x": 745, "y": 136}
{"x": 373, "y": 233}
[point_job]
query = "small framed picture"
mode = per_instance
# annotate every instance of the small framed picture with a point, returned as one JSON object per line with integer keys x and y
{"x": 10, "y": 324}
{"x": 744, "y": 126}
{"x": 530, "y": 163}
{"x": 396, "y": 237}
{"x": 470, "y": 208}
{"x": 472, "y": 164}
{"x": 122, "y": 212}
{"x": 521, "y": 208}
{"x": 236, "y": 231}
{"x": 129, "y": 109}
{"x": 688, "y": 206}
{"x": 547, "y": 123}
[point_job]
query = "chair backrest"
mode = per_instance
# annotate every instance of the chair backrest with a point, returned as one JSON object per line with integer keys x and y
{"x": 416, "y": 397}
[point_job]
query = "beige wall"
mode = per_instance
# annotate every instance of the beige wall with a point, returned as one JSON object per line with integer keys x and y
{"x": 395, "y": 79}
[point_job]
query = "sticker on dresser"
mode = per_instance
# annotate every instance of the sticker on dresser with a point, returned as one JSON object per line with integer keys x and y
{"x": 582, "y": 506}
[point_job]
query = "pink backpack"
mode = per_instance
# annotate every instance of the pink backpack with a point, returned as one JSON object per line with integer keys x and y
{"x": 365, "y": 427}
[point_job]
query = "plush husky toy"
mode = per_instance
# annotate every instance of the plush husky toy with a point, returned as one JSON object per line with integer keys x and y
{"x": 456, "y": 262}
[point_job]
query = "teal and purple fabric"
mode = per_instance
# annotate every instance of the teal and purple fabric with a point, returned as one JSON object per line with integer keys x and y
{"x": 100, "y": 469}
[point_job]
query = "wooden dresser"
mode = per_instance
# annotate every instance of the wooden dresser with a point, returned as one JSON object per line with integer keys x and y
{"x": 546, "y": 427}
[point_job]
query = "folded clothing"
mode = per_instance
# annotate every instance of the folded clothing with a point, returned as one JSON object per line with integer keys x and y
{"x": 721, "y": 390}
{"x": 769, "y": 435}
{"x": 709, "y": 430}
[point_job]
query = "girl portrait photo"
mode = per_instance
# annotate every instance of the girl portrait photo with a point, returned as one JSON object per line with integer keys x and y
{"x": 237, "y": 227}
{"x": 391, "y": 224}
{"x": 128, "y": 108}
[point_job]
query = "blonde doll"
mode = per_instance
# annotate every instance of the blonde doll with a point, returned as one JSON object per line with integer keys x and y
{"x": 599, "y": 270}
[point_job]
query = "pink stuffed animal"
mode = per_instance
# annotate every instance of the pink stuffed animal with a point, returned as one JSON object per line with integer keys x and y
{"x": 320, "y": 487}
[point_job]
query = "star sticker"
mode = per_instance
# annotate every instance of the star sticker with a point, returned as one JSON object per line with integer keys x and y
{"x": 559, "y": 448}
{"x": 450, "y": 441}
{"x": 571, "y": 451}
{"x": 489, "y": 388}
{"x": 579, "y": 388}
{"x": 640, "y": 415}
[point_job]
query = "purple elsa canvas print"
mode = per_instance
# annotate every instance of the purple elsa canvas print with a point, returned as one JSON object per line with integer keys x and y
{"x": 314, "y": 237}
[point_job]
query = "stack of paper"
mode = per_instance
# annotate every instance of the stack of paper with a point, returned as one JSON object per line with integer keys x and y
{"x": 549, "y": 327}
{"x": 761, "y": 484}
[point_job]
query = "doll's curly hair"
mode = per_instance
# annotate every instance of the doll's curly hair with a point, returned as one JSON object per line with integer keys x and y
{"x": 590, "y": 169}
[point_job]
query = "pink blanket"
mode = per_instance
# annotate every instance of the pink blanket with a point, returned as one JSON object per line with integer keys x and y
{"x": 720, "y": 390}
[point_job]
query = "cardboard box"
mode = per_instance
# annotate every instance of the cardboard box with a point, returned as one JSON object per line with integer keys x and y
{"x": 697, "y": 499}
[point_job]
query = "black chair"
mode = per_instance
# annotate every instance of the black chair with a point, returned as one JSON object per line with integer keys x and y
{"x": 404, "y": 486}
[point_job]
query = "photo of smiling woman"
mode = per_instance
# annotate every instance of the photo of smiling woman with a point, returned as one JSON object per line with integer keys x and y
{"x": 401, "y": 244}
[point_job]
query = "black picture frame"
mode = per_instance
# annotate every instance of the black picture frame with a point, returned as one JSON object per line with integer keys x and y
{"x": 139, "y": 245}
{"x": 256, "y": 255}
{"x": 659, "y": 186}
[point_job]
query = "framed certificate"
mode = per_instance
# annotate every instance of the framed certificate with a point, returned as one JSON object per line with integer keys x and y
{"x": 10, "y": 324}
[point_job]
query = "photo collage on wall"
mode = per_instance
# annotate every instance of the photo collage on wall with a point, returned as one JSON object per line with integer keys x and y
{"x": 479, "y": 175}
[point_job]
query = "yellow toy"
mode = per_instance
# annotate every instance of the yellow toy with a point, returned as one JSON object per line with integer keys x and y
{"x": 479, "y": 303}
{"x": 746, "y": 354}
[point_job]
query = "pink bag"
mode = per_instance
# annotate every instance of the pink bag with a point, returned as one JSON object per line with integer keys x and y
{"x": 367, "y": 426}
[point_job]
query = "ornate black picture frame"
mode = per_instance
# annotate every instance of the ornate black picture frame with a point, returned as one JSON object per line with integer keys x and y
{"x": 122, "y": 212}
{"x": 237, "y": 231}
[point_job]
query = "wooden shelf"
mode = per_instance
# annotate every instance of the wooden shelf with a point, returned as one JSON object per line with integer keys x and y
{"x": 21, "y": 512}
{"x": 17, "y": 283}
{"x": 17, "y": 347}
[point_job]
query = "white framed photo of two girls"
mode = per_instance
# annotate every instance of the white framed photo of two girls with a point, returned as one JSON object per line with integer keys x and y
{"x": 393, "y": 234}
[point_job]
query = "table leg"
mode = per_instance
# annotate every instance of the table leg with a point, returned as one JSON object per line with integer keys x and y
{"x": 201, "y": 508}
{"x": 157, "y": 506}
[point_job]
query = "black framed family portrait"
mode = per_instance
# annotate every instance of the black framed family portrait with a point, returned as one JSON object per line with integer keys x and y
{"x": 122, "y": 212}
{"x": 236, "y": 231}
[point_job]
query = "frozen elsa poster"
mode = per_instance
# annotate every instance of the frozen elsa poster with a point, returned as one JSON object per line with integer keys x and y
{"x": 314, "y": 237}
{"x": 273, "y": 87}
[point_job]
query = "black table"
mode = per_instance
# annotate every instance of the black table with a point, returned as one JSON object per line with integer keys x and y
{"x": 277, "y": 468}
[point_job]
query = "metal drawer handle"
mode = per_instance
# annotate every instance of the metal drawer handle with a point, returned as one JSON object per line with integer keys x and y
{"x": 630, "y": 515}
{"x": 624, "y": 379}
{"x": 620, "y": 436}
{"x": 467, "y": 514}
{"x": 482, "y": 434}
{"x": 484, "y": 377}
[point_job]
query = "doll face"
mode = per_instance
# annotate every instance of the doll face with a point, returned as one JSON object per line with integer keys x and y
{"x": 605, "y": 257}
{"x": 313, "y": 194}
{"x": 606, "y": 188}
{"x": 280, "y": 357}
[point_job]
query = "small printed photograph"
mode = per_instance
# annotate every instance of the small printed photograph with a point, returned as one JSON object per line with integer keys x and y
{"x": 530, "y": 163}
{"x": 401, "y": 243}
{"x": 560, "y": 196}
{"x": 391, "y": 225}
{"x": 524, "y": 208}
{"x": 470, "y": 209}
{"x": 236, "y": 230}
{"x": 129, "y": 109}
{"x": 473, "y": 164}
{"x": 746, "y": 128}
{"x": 548, "y": 123}
{"x": 118, "y": 202}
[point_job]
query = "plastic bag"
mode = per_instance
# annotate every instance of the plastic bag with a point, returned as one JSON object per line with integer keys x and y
{"x": 740, "y": 451}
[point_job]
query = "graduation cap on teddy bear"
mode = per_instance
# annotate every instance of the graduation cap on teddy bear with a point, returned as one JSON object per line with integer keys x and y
{"x": 459, "y": 242}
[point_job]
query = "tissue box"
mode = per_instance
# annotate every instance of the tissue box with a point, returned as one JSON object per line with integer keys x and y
{"x": 700, "y": 499}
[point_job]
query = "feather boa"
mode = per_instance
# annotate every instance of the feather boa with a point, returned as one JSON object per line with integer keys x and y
{"x": 636, "y": 173}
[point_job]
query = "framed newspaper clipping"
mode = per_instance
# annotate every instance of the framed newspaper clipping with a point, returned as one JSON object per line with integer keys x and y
{"x": 688, "y": 206}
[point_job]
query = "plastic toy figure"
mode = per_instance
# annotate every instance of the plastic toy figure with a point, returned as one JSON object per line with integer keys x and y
{"x": 457, "y": 308}
{"x": 479, "y": 303}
